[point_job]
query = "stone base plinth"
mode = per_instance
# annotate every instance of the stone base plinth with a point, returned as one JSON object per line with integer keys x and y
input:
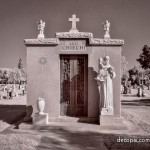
{"x": 106, "y": 119}
{"x": 41, "y": 36}
{"x": 109, "y": 120}
{"x": 73, "y": 31}
{"x": 106, "y": 36}
{"x": 40, "y": 119}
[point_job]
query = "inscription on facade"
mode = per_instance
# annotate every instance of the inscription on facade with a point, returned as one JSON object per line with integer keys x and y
{"x": 73, "y": 46}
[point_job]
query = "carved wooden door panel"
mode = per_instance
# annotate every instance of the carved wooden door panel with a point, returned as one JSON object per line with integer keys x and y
{"x": 73, "y": 85}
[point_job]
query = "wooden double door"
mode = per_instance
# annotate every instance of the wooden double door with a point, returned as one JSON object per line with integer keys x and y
{"x": 74, "y": 71}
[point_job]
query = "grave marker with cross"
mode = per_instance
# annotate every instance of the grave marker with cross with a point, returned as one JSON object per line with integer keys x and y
{"x": 74, "y": 20}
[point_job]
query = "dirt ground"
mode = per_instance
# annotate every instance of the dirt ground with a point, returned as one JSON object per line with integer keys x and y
{"x": 135, "y": 112}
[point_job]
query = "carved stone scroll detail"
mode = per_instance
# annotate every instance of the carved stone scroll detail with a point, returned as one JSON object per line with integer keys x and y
{"x": 74, "y": 35}
{"x": 47, "y": 41}
{"x": 96, "y": 41}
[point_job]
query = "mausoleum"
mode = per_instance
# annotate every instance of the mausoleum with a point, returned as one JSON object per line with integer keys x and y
{"x": 65, "y": 70}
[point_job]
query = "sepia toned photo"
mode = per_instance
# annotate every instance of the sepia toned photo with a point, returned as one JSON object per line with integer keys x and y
{"x": 74, "y": 75}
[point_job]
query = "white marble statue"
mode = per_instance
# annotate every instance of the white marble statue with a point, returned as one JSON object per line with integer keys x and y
{"x": 106, "y": 29}
{"x": 41, "y": 26}
{"x": 104, "y": 79}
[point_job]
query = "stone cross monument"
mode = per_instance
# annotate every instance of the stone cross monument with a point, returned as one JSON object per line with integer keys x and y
{"x": 74, "y": 20}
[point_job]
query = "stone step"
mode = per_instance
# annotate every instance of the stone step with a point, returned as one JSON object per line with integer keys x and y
{"x": 76, "y": 126}
{"x": 73, "y": 119}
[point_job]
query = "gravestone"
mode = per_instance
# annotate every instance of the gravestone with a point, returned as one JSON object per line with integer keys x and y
{"x": 63, "y": 71}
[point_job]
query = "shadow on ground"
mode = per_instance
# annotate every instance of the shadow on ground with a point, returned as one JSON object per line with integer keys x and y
{"x": 139, "y": 102}
{"x": 12, "y": 113}
{"x": 64, "y": 139}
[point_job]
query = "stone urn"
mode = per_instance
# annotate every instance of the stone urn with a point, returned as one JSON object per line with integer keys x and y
{"x": 41, "y": 105}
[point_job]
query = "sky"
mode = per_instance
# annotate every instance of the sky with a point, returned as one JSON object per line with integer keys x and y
{"x": 130, "y": 20}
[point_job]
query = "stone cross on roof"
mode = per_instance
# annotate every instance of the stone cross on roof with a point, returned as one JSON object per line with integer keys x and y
{"x": 74, "y": 20}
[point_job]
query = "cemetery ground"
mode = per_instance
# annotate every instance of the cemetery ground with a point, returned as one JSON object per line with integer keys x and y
{"x": 75, "y": 135}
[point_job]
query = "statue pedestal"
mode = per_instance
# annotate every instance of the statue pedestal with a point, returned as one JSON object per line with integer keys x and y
{"x": 106, "y": 36}
{"x": 41, "y": 36}
{"x": 40, "y": 119}
{"x": 73, "y": 31}
{"x": 107, "y": 118}
{"x": 107, "y": 111}
{"x": 110, "y": 120}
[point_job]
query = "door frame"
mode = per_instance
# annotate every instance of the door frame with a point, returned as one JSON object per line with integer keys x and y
{"x": 72, "y": 102}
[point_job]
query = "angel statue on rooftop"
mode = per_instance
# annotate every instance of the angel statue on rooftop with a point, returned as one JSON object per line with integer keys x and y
{"x": 106, "y": 29}
{"x": 41, "y": 26}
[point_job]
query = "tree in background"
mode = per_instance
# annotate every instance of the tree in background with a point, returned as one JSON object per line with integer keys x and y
{"x": 134, "y": 75}
{"x": 144, "y": 58}
{"x": 134, "y": 71}
{"x": 16, "y": 75}
{"x": 124, "y": 69}
{"x": 124, "y": 75}
{"x": 124, "y": 64}
{"x": 6, "y": 74}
